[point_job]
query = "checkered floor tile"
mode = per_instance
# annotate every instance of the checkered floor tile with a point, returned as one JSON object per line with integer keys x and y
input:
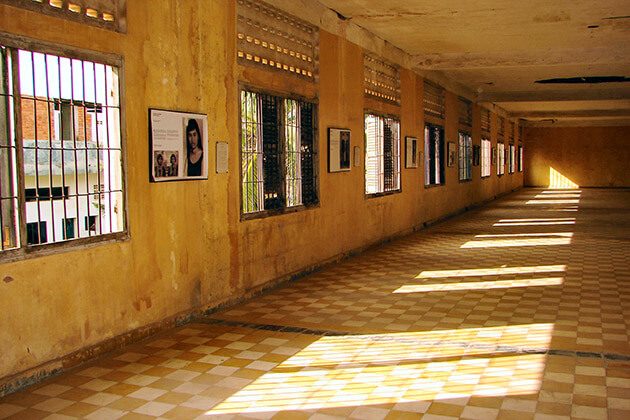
{"x": 516, "y": 310}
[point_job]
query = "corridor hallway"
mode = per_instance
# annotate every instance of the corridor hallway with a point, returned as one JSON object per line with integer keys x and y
{"x": 519, "y": 309}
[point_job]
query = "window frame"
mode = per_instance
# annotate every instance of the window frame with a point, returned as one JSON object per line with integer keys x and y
{"x": 443, "y": 157}
{"x": 246, "y": 87}
{"x": 486, "y": 144}
{"x": 398, "y": 172}
{"x": 500, "y": 158}
{"x": 23, "y": 249}
{"x": 464, "y": 155}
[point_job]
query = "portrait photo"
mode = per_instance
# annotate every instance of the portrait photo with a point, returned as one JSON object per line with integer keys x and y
{"x": 177, "y": 141}
{"x": 338, "y": 150}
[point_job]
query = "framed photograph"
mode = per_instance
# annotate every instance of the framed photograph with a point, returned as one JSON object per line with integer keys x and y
{"x": 411, "y": 152}
{"x": 178, "y": 143}
{"x": 451, "y": 153}
{"x": 338, "y": 150}
{"x": 476, "y": 155}
{"x": 493, "y": 159}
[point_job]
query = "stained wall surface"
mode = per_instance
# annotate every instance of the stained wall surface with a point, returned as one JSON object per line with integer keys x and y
{"x": 188, "y": 249}
{"x": 584, "y": 156}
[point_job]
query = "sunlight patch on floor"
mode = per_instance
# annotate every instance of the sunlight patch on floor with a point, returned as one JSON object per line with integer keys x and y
{"x": 347, "y": 371}
{"x": 479, "y": 285}
{"x": 506, "y": 243}
{"x": 527, "y": 235}
{"x": 547, "y": 221}
{"x": 494, "y": 271}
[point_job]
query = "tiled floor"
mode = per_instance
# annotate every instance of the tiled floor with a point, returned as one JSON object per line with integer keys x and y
{"x": 517, "y": 310}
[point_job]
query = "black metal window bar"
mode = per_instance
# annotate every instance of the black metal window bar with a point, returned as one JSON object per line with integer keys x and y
{"x": 382, "y": 154}
{"x": 277, "y": 152}
{"x": 433, "y": 154}
{"x": 60, "y": 149}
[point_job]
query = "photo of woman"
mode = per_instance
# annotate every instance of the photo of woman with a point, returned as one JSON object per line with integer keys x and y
{"x": 194, "y": 147}
{"x": 177, "y": 142}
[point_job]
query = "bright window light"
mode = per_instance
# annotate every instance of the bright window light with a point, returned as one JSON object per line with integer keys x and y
{"x": 557, "y": 180}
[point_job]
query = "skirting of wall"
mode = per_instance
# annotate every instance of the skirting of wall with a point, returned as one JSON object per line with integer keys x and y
{"x": 77, "y": 358}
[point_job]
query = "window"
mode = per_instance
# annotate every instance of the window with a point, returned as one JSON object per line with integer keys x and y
{"x": 36, "y": 233}
{"x": 485, "y": 157}
{"x": 277, "y": 153}
{"x": 465, "y": 156}
{"x": 60, "y": 118}
{"x": 500, "y": 158}
{"x": 68, "y": 228}
{"x": 511, "y": 158}
{"x": 90, "y": 223}
{"x": 433, "y": 155}
{"x": 382, "y": 154}
{"x": 520, "y": 158}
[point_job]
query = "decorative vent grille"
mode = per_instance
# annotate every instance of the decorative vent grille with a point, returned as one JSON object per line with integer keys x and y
{"x": 433, "y": 100}
{"x": 512, "y": 131}
{"x": 465, "y": 111}
{"x": 485, "y": 121}
{"x": 273, "y": 39}
{"x": 501, "y": 126}
{"x": 107, "y": 14}
{"x": 382, "y": 79}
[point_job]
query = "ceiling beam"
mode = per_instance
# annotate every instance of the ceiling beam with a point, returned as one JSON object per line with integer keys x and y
{"x": 572, "y": 114}
{"x": 601, "y": 122}
{"x": 586, "y": 94}
{"x": 578, "y": 56}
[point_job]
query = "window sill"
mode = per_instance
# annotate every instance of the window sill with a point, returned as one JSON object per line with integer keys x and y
{"x": 434, "y": 186}
{"x": 383, "y": 194}
{"x": 464, "y": 181}
{"x": 278, "y": 212}
{"x": 35, "y": 251}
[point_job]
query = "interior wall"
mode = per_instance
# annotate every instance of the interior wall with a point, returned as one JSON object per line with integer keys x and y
{"x": 188, "y": 249}
{"x": 580, "y": 156}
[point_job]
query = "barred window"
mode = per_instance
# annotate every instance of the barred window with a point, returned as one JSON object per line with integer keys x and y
{"x": 511, "y": 158}
{"x": 382, "y": 154}
{"x": 277, "y": 153}
{"x": 486, "y": 150}
{"x": 520, "y": 158}
{"x": 59, "y": 135}
{"x": 500, "y": 158}
{"x": 433, "y": 155}
{"x": 465, "y": 156}
{"x": 106, "y": 14}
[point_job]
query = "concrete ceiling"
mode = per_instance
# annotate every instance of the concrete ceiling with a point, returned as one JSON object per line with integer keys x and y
{"x": 499, "y": 49}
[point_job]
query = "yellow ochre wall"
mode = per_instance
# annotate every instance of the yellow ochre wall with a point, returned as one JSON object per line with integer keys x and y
{"x": 585, "y": 156}
{"x": 188, "y": 250}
